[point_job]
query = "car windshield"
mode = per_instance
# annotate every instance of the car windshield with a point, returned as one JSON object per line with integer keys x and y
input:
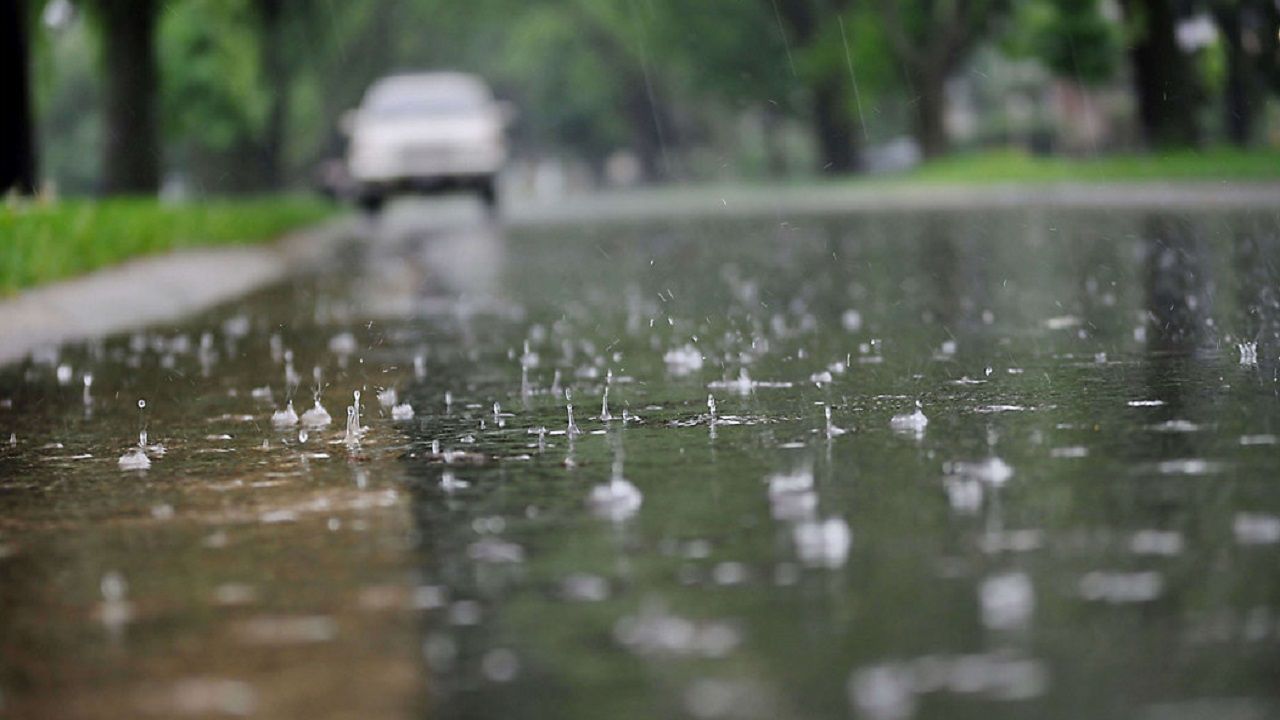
{"x": 425, "y": 98}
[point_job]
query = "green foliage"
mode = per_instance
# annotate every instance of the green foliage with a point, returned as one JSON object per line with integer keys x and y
{"x": 213, "y": 99}
{"x": 547, "y": 55}
{"x": 740, "y": 57}
{"x": 1011, "y": 166}
{"x": 44, "y": 242}
{"x": 860, "y": 51}
{"x": 67, "y": 100}
{"x": 589, "y": 76}
{"x": 1071, "y": 37}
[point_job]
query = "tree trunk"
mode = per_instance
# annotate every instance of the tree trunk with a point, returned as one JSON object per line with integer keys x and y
{"x": 930, "y": 119}
{"x": 834, "y": 128}
{"x": 775, "y": 155}
{"x": 17, "y": 140}
{"x": 277, "y": 80}
{"x": 131, "y": 158}
{"x": 1163, "y": 80}
{"x": 1240, "y": 101}
{"x": 650, "y": 130}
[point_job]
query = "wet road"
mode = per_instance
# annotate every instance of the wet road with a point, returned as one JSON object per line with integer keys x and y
{"x": 948, "y": 464}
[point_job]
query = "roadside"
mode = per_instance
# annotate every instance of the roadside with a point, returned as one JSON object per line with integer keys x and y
{"x": 1225, "y": 164}
{"x": 155, "y": 289}
{"x": 1218, "y": 178}
{"x": 736, "y": 200}
{"x": 164, "y": 287}
{"x": 45, "y": 241}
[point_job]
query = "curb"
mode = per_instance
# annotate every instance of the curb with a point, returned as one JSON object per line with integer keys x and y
{"x": 697, "y": 202}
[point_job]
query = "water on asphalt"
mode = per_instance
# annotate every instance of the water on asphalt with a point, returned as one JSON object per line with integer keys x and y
{"x": 937, "y": 464}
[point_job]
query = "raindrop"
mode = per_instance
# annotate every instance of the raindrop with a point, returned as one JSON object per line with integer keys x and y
{"x": 572, "y": 428}
{"x": 1121, "y": 587}
{"x": 823, "y": 543}
{"x": 604, "y": 402}
{"x": 832, "y": 430}
{"x": 883, "y": 692}
{"x": 352, "y": 436}
{"x": 317, "y": 416}
{"x": 1007, "y": 601}
{"x": 913, "y": 422}
{"x": 683, "y": 360}
{"x": 500, "y": 665}
{"x": 617, "y": 499}
{"x": 1248, "y": 353}
{"x": 285, "y": 418}
{"x": 115, "y": 611}
{"x": 134, "y": 459}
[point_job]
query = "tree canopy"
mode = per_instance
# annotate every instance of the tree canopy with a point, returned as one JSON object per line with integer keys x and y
{"x": 244, "y": 95}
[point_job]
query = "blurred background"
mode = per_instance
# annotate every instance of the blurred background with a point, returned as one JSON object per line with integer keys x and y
{"x": 219, "y": 97}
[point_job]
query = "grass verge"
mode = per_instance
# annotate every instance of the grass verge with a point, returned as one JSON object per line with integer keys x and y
{"x": 43, "y": 242}
{"x": 1228, "y": 164}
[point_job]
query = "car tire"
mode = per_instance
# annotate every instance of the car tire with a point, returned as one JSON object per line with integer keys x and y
{"x": 488, "y": 189}
{"x": 371, "y": 203}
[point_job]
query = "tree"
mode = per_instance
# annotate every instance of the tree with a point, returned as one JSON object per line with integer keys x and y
{"x": 17, "y": 141}
{"x": 730, "y": 69}
{"x": 1164, "y": 79}
{"x": 214, "y": 100}
{"x": 833, "y": 125}
{"x": 618, "y": 34}
{"x": 1073, "y": 38}
{"x": 131, "y": 153}
{"x": 276, "y": 77}
{"x": 931, "y": 39}
{"x": 587, "y": 74}
{"x": 1248, "y": 29}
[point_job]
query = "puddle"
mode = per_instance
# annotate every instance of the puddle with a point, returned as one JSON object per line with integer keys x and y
{"x": 881, "y": 467}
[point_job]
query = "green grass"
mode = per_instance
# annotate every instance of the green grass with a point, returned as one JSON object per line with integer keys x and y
{"x": 1012, "y": 166}
{"x": 44, "y": 242}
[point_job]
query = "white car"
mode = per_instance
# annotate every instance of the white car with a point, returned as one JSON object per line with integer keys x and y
{"x": 426, "y": 132}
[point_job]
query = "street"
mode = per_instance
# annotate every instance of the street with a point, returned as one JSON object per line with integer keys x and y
{"x": 1017, "y": 461}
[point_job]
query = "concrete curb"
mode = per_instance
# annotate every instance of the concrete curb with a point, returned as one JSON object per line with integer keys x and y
{"x": 156, "y": 289}
{"x": 739, "y": 201}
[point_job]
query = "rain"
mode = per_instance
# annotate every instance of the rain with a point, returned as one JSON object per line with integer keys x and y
{"x": 737, "y": 382}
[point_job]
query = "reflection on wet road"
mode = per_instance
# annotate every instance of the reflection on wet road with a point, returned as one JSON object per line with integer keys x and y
{"x": 952, "y": 464}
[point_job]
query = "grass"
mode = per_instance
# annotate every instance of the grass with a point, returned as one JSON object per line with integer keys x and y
{"x": 42, "y": 242}
{"x": 1228, "y": 164}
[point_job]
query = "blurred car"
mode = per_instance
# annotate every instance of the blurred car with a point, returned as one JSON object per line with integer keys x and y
{"x": 426, "y": 132}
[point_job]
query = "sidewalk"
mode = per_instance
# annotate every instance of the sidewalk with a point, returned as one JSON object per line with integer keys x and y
{"x": 154, "y": 289}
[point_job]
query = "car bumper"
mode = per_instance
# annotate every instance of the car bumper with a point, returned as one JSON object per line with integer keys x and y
{"x": 423, "y": 183}
{"x": 425, "y": 167}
